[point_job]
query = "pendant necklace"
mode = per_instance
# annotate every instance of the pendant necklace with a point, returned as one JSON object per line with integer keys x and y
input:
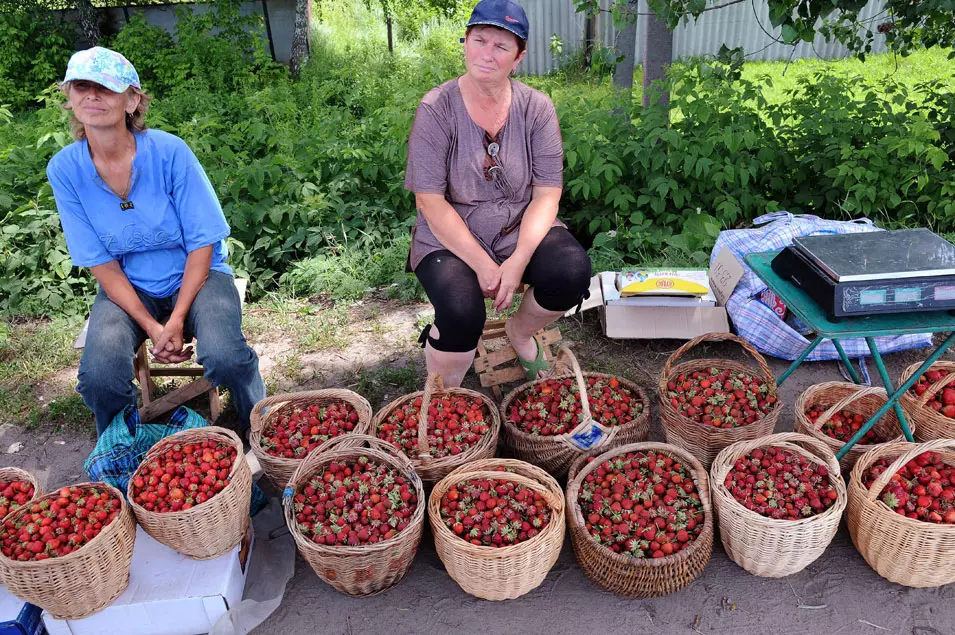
{"x": 124, "y": 204}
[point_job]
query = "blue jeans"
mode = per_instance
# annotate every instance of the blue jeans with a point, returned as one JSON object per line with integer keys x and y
{"x": 215, "y": 320}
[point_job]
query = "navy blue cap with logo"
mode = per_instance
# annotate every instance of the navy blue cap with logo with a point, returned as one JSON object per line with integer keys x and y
{"x": 503, "y": 14}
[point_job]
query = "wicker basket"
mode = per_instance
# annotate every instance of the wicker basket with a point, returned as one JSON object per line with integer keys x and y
{"x": 836, "y": 396}
{"x": 926, "y": 423}
{"x": 556, "y": 453}
{"x": 771, "y": 547}
{"x": 900, "y": 549}
{"x": 214, "y": 527}
{"x": 367, "y": 569}
{"x": 500, "y": 573}
{"x": 81, "y": 583}
{"x": 16, "y": 474}
{"x": 704, "y": 441}
{"x": 641, "y": 577}
{"x": 430, "y": 469}
{"x": 280, "y": 469}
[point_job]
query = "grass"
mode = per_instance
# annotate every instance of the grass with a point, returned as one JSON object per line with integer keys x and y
{"x": 311, "y": 327}
{"x": 34, "y": 350}
{"x": 375, "y": 384}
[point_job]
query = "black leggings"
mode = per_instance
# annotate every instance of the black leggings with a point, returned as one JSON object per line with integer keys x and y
{"x": 559, "y": 272}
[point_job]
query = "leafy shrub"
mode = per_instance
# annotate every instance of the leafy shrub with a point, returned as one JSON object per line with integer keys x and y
{"x": 36, "y": 48}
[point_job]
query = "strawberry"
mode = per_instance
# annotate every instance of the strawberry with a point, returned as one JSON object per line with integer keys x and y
{"x": 552, "y": 406}
{"x": 14, "y": 495}
{"x": 293, "y": 434}
{"x": 183, "y": 475}
{"x": 721, "y": 398}
{"x": 842, "y": 425}
{"x": 923, "y": 489}
{"x": 944, "y": 401}
{"x": 641, "y": 505}
{"x": 780, "y": 484}
{"x": 455, "y": 424}
{"x": 58, "y": 524}
{"x": 494, "y": 512}
{"x": 355, "y": 502}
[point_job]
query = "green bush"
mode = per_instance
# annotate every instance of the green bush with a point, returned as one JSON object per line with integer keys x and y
{"x": 36, "y": 47}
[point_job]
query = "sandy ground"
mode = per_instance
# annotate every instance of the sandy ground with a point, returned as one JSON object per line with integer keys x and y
{"x": 838, "y": 594}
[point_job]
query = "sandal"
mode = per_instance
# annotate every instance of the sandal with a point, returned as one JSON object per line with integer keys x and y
{"x": 533, "y": 368}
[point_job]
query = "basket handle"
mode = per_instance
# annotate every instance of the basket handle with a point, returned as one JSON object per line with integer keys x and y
{"x": 845, "y": 401}
{"x": 356, "y": 440}
{"x": 934, "y": 388}
{"x": 567, "y": 363}
{"x": 914, "y": 449}
{"x": 257, "y": 411}
{"x": 434, "y": 385}
{"x": 553, "y": 501}
{"x": 727, "y": 457}
{"x": 722, "y": 337}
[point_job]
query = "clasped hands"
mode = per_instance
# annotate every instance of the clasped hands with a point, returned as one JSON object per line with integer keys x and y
{"x": 168, "y": 346}
{"x": 501, "y": 281}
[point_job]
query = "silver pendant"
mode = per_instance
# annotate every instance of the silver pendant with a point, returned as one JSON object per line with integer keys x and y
{"x": 492, "y": 149}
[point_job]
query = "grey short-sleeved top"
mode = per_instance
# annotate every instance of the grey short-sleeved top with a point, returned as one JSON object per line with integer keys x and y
{"x": 446, "y": 156}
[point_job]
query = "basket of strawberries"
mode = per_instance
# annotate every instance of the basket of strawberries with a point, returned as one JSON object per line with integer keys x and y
{"x": 498, "y": 526}
{"x": 778, "y": 500}
{"x": 930, "y": 403}
{"x": 640, "y": 519}
{"x": 192, "y": 492}
{"x": 834, "y": 411}
{"x": 455, "y": 427}
{"x": 285, "y": 428}
{"x": 708, "y": 404}
{"x": 356, "y": 513}
{"x": 80, "y": 570}
{"x": 17, "y": 488}
{"x": 902, "y": 511}
{"x": 551, "y": 422}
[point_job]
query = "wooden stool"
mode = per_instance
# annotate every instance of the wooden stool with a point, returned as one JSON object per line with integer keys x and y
{"x": 497, "y": 364}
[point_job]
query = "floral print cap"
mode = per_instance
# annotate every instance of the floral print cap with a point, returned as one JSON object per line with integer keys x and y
{"x": 103, "y": 66}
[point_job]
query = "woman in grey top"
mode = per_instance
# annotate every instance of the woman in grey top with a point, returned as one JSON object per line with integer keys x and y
{"x": 485, "y": 161}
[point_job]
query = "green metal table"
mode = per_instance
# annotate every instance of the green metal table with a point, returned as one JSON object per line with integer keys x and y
{"x": 868, "y": 327}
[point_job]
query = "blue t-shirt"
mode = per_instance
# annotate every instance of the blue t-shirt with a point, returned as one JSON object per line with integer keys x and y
{"x": 174, "y": 211}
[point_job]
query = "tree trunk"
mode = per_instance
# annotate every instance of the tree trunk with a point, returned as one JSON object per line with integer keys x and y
{"x": 657, "y": 56}
{"x": 627, "y": 48}
{"x": 301, "y": 36}
{"x": 89, "y": 22}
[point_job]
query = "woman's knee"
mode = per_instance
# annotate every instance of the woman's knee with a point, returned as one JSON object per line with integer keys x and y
{"x": 459, "y": 325}
{"x": 561, "y": 276}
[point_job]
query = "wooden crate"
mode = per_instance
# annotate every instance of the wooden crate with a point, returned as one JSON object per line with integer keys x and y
{"x": 496, "y": 362}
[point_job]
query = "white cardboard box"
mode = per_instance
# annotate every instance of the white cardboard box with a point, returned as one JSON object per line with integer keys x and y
{"x": 657, "y": 322}
{"x": 168, "y": 593}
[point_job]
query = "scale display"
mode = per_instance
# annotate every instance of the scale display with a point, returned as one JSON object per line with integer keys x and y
{"x": 883, "y": 255}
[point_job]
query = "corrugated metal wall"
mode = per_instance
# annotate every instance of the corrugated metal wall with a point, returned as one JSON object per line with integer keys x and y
{"x": 745, "y": 24}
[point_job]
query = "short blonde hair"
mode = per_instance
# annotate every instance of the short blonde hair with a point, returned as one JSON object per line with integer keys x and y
{"x": 136, "y": 121}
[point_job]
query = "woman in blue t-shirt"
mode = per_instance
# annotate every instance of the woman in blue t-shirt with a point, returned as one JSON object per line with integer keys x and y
{"x": 139, "y": 211}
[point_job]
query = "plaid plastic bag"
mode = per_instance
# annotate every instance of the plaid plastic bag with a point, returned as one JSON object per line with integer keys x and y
{"x": 757, "y": 322}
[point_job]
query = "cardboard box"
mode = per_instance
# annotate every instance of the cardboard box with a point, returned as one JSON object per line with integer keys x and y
{"x": 622, "y": 320}
{"x": 168, "y": 593}
{"x": 18, "y": 618}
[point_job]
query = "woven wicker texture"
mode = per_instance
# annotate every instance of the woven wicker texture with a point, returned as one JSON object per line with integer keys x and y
{"x": 84, "y": 582}
{"x": 900, "y": 549}
{"x": 555, "y": 453}
{"x": 209, "y": 529}
{"x": 280, "y": 469}
{"x": 500, "y": 573}
{"x": 366, "y": 569}
{"x": 16, "y": 474}
{"x": 641, "y": 577}
{"x": 430, "y": 469}
{"x": 926, "y": 423}
{"x": 766, "y": 546}
{"x": 704, "y": 441}
{"x": 836, "y": 396}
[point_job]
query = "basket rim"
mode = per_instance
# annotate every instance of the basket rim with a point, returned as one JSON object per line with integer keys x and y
{"x": 576, "y": 515}
{"x": 718, "y": 488}
{"x": 31, "y": 564}
{"x": 438, "y": 526}
{"x": 908, "y": 399}
{"x": 671, "y": 411}
{"x": 160, "y": 446}
{"x": 37, "y": 490}
{"x": 516, "y": 432}
{"x": 335, "y": 454}
{"x": 489, "y": 439}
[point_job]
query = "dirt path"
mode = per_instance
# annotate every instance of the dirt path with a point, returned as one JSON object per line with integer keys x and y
{"x": 839, "y": 594}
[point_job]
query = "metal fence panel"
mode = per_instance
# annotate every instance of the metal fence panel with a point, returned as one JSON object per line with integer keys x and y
{"x": 548, "y": 18}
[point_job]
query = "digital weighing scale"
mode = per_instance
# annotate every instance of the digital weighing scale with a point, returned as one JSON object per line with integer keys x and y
{"x": 870, "y": 273}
